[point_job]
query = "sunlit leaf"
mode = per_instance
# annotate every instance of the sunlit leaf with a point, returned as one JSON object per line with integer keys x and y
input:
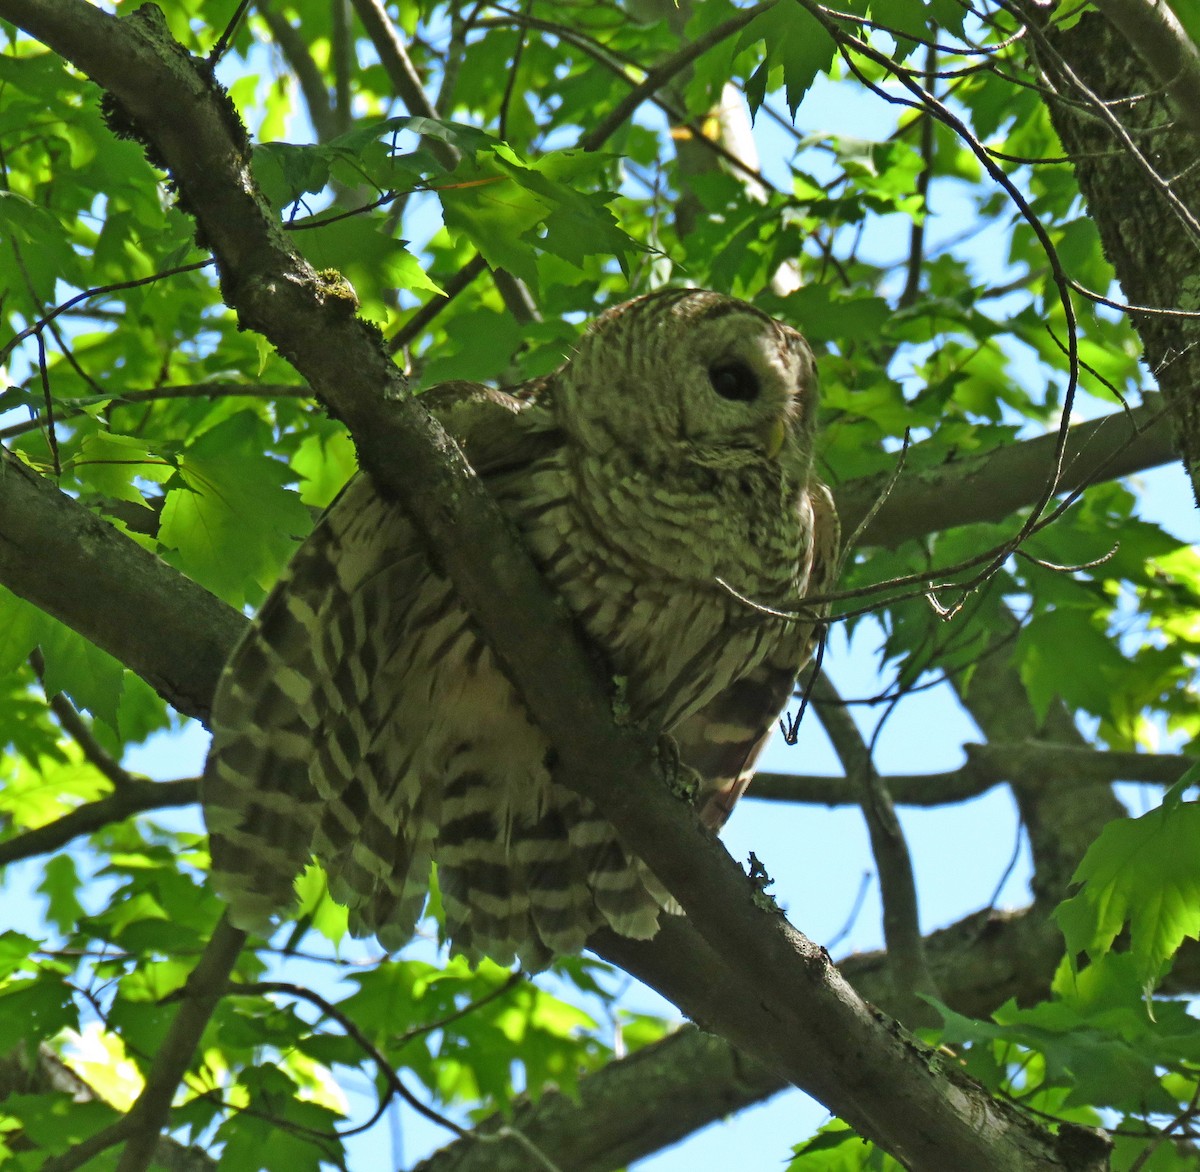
{"x": 1144, "y": 872}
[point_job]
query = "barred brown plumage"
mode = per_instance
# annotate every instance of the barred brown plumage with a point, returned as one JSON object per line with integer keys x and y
{"x": 364, "y": 720}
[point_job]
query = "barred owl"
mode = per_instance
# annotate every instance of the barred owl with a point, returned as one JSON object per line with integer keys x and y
{"x": 660, "y": 473}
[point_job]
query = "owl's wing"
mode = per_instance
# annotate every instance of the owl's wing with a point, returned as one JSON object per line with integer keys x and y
{"x": 722, "y": 741}
{"x": 498, "y": 431}
{"x": 295, "y": 700}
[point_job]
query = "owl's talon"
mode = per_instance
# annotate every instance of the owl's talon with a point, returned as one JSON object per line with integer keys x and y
{"x": 682, "y": 780}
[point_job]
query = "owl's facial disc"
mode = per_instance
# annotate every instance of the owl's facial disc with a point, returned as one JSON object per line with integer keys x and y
{"x": 739, "y": 382}
{"x": 688, "y": 376}
{"x": 746, "y": 390}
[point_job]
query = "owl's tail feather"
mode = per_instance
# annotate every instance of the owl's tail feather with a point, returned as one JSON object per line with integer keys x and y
{"x": 376, "y": 845}
{"x": 562, "y": 910}
{"x": 617, "y": 881}
{"x": 388, "y": 906}
{"x": 259, "y": 804}
{"x": 484, "y": 885}
{"x": 527, "y": 885}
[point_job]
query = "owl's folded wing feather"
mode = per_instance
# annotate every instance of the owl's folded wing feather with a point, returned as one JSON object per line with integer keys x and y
{"x": 294, "y": 701}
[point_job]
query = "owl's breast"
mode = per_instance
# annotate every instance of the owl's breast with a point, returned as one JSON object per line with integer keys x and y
{"x": 645, "y": 565}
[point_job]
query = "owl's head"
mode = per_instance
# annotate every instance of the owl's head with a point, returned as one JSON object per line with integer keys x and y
{"x": 691, "y": 376}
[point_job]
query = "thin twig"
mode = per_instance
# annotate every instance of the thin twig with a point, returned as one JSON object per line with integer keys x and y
{"x": 386, "y": 1070}
{"x": 227, "y": 34}
{"x": 141, "y": 1127}
{"x": 389, "y": 1073}
{"x": 1176, "y": 1124}
{"x": 77, "y": 728}
{"x": 97, "y": 291}
{"x": 916, "y": 245}
{"x": 213, "y": 390}
{"x": 664, "y": 72}
{"x": 403, "y": 1039}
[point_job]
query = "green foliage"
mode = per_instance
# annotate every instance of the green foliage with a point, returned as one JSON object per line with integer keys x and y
{"x": 228, "y": 521}
{"x": 1145, "y": 872}
{"x": 1092, "y": 1046}
{"x": 835, "y": 1148}
{"x": 150, "y": 405}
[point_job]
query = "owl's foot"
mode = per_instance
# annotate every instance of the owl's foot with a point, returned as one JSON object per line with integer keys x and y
{"x": 682, "y": 780}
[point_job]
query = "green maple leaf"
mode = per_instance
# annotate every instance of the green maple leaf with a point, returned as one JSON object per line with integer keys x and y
{"x": 1145, "y": 872}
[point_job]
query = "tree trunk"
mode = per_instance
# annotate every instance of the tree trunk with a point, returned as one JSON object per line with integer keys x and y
{"x": 1136, "y": 167}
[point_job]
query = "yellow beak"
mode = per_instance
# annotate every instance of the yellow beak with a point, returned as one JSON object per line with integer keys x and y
{"x": 773, "y": 436}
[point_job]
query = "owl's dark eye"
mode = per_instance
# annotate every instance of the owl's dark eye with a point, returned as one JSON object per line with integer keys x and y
{"x": 734, "y": 380}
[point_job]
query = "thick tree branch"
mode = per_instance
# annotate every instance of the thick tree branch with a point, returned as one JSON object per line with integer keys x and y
{"x": 993, "y": 485}
{"x": 42, "y": 532}
{"x": 631, "y": 1108}
{"x": 785, "y": 1002}
{"x": 674, "y": 1087}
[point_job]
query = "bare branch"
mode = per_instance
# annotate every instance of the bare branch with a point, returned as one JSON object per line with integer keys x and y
{"x": 135, "y": 796}
{"x": 993, "y": 485}
{"x": 987, "y": 765}
{"x": 387, "y": 1071}
{"x": 898, "y": 888}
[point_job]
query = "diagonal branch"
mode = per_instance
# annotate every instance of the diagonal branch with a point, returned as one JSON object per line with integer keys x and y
{"x": 901, "y": 919}
{"x": 135, "y": 796}
{"x": 42, "y": 532}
